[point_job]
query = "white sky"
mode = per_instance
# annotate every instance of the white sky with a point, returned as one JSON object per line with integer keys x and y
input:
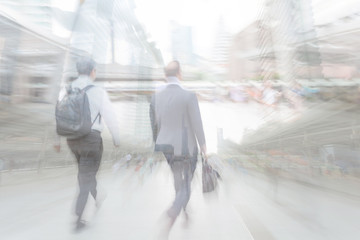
{"x": 202, "y": 15}
{"x": 326, "y": 11}
{"x": 66, "y": 5}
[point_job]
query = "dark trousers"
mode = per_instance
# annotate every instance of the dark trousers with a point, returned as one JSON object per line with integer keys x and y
{"x": 183, "y": 169}
{"x": 88, "y": 152}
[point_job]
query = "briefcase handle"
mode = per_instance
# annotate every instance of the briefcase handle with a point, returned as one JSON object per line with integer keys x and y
{"x": 203, "y": 158}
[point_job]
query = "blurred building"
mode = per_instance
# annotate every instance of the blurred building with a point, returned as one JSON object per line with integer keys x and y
{"x": 340, "y": 48}
{"x": 244, "y": 51}
{"x": 220, "y": 56}
{"x": 286, "y": 43}
{"x": 109, "y": 31}
{"x": 30, "y": 62}
{"x": 182, "y": 44}
{"x": 278, "y": 46}
{"x": 34, "y": 60}
{"x": 36, "y": 12}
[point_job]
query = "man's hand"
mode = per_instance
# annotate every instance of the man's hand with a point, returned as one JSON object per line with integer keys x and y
{"x": 203, "y": 151}
{"x": 57, "y": 147}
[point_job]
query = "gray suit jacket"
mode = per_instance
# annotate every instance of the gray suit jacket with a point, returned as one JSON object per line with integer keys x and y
{"x": 176, "y": 120}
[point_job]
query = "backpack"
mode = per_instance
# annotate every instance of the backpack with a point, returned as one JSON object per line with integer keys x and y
{"x": 72, "y": 113}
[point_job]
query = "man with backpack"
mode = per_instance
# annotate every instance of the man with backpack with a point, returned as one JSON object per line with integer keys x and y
{"x": 81, "y": 111}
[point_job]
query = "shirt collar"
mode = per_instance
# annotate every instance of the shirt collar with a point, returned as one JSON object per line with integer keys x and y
{"x": 81, "y": 82}
{"x": 84, "y": 78}
{"x": 173, "y": 81}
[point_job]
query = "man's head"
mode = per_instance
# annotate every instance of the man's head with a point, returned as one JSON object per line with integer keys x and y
{"x": 86, "y": 66}
{"x": 173, "y": 70}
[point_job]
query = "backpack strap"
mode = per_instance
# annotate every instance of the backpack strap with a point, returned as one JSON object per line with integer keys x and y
{"x": 98, "y": 115}
{"x": 87, "y": 88}
{"x": 69, "y": 88}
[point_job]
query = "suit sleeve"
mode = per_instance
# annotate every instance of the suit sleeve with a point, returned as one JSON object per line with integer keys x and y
{"x": 195, "y": 119}
{"x": 154, "y": 125}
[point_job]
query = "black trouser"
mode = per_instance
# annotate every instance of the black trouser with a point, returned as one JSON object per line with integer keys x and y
{"x": 88, "y": 152}
{"x": 183, "y": 169}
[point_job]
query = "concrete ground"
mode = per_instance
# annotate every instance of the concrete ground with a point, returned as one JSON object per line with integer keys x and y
{"x": 37, "y": 195}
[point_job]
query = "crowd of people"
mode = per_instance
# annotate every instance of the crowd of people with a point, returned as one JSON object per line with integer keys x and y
{"x": 267, "y": 93}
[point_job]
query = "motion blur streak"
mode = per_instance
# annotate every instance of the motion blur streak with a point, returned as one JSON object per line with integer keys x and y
{"x": 279, "y": 100}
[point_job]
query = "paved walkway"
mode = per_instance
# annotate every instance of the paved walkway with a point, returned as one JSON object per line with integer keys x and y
{"x": 38, "y": 205}
{"x": 246, "y": 206}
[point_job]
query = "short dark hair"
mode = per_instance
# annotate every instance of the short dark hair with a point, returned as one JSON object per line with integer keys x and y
{"x": 172, "y": 69}
{"x": 85, "y": 65}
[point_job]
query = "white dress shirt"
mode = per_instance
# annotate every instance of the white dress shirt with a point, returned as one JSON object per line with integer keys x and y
{"x": 170, "y": 81}
{"x": 99, "y": 102}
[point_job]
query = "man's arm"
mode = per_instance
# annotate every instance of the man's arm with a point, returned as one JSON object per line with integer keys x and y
{"x": 57, "y": 139}
{"x": 57, "y": 144}
{"x": 108, "y": 113}
{"x": 196, "y": 122}
{"x": 154, "y": 125}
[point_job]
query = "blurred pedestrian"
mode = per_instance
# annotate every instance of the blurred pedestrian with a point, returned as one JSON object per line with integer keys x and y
{"x": 88, "y": 149}
{"x": 127, "y": 159}
{"x": 177, "y": 130}
{"x": 295, "y": 95}
{"x": 269, "y": 96}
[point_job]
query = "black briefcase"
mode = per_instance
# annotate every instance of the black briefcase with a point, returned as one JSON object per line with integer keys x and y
{"x": 209, "y": 177}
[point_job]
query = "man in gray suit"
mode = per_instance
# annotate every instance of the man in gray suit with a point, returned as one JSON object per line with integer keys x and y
{"x": 177, "y": 131}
